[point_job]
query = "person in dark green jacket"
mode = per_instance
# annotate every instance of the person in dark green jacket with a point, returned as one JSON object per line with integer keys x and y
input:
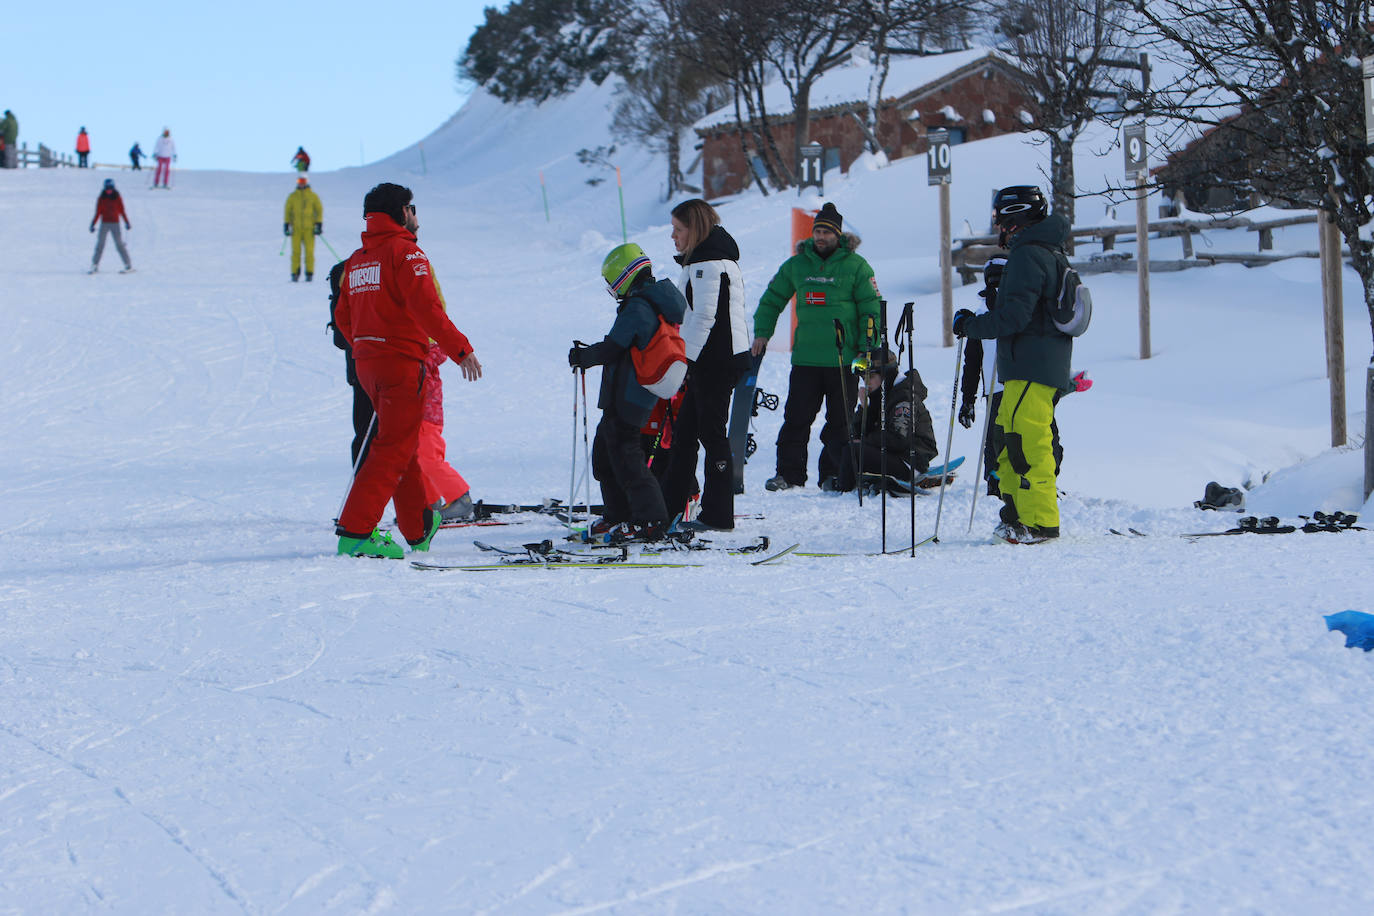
{"x": 1033, "y": 359}
{"x": 832, "y": 283}
{"x": 9, "y": 129}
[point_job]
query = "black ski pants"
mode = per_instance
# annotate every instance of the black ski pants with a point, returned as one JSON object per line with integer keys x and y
{"x": 702, "y": 419}
{"x": 628, "y": 488}
{"x": 870, "y": 462}
{"x": 807, "y": 387}
{"x": 362, "y": 412}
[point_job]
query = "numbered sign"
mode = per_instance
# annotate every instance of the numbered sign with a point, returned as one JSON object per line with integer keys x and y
{"x": 938, "y": 158}
{"x": 811, "y": 175}
{"x": 1136, "y": 156}
{"x": 1367, "y": 68}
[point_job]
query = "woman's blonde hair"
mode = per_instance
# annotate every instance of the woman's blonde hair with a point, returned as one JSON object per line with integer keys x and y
{"x": 699, "y": 218}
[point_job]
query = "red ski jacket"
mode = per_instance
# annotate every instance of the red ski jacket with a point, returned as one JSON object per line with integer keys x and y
{"x": 109, "y": 208}
{"x": 388, "y": 303}
{"x": 83, "y": 142}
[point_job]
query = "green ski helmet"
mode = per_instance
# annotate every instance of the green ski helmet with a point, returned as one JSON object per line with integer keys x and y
{"x": 622, "y": 265}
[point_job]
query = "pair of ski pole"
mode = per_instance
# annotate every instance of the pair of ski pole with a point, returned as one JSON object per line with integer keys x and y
{"x": 287, "y": 238}
{"x": 580, "y": 375}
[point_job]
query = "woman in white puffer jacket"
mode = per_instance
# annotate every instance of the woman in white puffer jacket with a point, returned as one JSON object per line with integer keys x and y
{"x": 717, "y": 333}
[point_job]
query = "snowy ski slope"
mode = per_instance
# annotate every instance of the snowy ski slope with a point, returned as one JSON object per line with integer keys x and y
{"x": 205, "y": 711}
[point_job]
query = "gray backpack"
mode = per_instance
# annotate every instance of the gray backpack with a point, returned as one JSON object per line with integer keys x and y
{"x": 1072, "y": 309}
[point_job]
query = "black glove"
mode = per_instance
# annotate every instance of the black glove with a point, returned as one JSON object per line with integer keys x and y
{"x": 286, "y": 228}
{"x": 579, "y": 358}
{"x": 966, "y": 414}
{"x": 960, "y": 317}
{"x": 92, "y": 227}
{"x": 319, "y": 227}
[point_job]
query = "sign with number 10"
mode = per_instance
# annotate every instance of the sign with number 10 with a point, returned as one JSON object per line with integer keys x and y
{"x": 938, "y": 167}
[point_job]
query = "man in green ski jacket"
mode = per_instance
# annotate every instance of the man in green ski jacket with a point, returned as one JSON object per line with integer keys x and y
{"x": 832, "y": 283}
{"x": 1033, "y": 359}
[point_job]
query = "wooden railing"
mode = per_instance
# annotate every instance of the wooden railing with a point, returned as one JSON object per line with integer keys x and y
{"x": 42, "y": 157}
{"x": 971, "y": 252}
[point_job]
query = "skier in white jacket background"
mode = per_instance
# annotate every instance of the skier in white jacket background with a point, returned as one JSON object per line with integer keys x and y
{"x": 165, "y": 152}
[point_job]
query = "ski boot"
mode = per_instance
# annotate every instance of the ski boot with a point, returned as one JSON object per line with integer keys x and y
{"x": 433, "y": 519}
{"x": 378, "y": 544}
{"x": 459, "y": 510}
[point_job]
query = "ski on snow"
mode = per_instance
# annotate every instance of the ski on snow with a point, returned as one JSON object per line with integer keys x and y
{"x": 1315, "y": 523}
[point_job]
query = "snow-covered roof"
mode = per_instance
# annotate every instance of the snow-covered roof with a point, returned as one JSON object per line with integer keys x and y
{"x": 849, "y": 84}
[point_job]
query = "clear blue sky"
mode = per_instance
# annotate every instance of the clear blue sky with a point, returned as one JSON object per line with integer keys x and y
{"x": 240, "y": 85}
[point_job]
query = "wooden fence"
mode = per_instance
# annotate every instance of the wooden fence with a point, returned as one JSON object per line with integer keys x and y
{"x": 972, "y": 252}
{"x": 43, "y": 157}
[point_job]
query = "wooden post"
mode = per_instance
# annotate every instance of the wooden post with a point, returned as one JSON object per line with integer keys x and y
{"x": 1324, "y": 271}
{"x": 1142, "y": 265}
{"x": 946, "y": 258}
{"x": 1335, "y": 328}
{"x": 1368, "y": 432}
{"x": 1187, "y": 243}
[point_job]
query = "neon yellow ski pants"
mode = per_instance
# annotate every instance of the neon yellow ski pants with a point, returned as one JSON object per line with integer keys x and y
{"x": 302, "y": 237}
{"x": 1026, "y": 465}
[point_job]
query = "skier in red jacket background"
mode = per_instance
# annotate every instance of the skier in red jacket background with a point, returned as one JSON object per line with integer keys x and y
{"x": 388, "y": 310}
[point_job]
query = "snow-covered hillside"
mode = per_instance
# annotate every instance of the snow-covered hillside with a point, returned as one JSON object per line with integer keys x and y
{"x": 206, "y": 711}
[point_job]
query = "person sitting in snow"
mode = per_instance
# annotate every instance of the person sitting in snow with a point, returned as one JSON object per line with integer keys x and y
{"x": 909, "y": 440}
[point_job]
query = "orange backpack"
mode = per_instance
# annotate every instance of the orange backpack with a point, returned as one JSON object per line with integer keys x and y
{"x": 661, "y": 365}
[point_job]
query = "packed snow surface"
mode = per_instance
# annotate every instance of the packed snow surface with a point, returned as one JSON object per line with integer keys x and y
{"x": 206, "y": 711}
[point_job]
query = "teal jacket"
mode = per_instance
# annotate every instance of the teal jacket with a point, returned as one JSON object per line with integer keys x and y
{"x": 636, "y": 322}
{"x": 1029, "y": 346}
{"x": 840, "y": 286}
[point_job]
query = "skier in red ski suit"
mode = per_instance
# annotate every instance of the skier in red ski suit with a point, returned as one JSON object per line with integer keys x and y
{"x": 388, "y": 310}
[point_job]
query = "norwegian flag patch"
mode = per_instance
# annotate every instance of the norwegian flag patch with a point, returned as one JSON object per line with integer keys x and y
{"x": 815, "y": 298}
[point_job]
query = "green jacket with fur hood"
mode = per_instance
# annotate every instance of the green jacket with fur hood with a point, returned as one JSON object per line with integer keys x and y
{"x": 840, "y": 286}
{"x": 1029, "y": 346}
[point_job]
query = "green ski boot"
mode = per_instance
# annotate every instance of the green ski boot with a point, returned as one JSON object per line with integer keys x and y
{"x": 379, "y": 544}
{"x": 433, "y": 519}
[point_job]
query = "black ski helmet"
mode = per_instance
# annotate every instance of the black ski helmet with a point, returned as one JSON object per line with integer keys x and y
{"x": 1019, "y": 205}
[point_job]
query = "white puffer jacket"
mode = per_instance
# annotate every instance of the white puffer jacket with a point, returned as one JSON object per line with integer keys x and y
{"x": 713, "y": 285}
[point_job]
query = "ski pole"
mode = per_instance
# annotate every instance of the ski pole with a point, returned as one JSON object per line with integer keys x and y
{"x": 284, "y": 240}
{"x": 844, "y": 401}
{"x": 949, "y": 440}
{"x": 362, "y": 453}
{"x": 882, "y": 419}
{"x": 982, "y": 442}
{"x": 906, "y": 323}
{"x": 331, "y": 248}
{"x": 572, "y": 471}
{"x": 586, "y": 448}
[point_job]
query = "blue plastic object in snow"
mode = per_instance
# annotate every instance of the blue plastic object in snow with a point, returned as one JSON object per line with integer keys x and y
{"x": 1357, "y": 627}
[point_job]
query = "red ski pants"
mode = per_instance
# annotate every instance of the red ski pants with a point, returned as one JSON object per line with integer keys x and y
{"x": 443, "y": 483}
{"x": 163, "y": 172}
{"x": 391, "y": 471}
